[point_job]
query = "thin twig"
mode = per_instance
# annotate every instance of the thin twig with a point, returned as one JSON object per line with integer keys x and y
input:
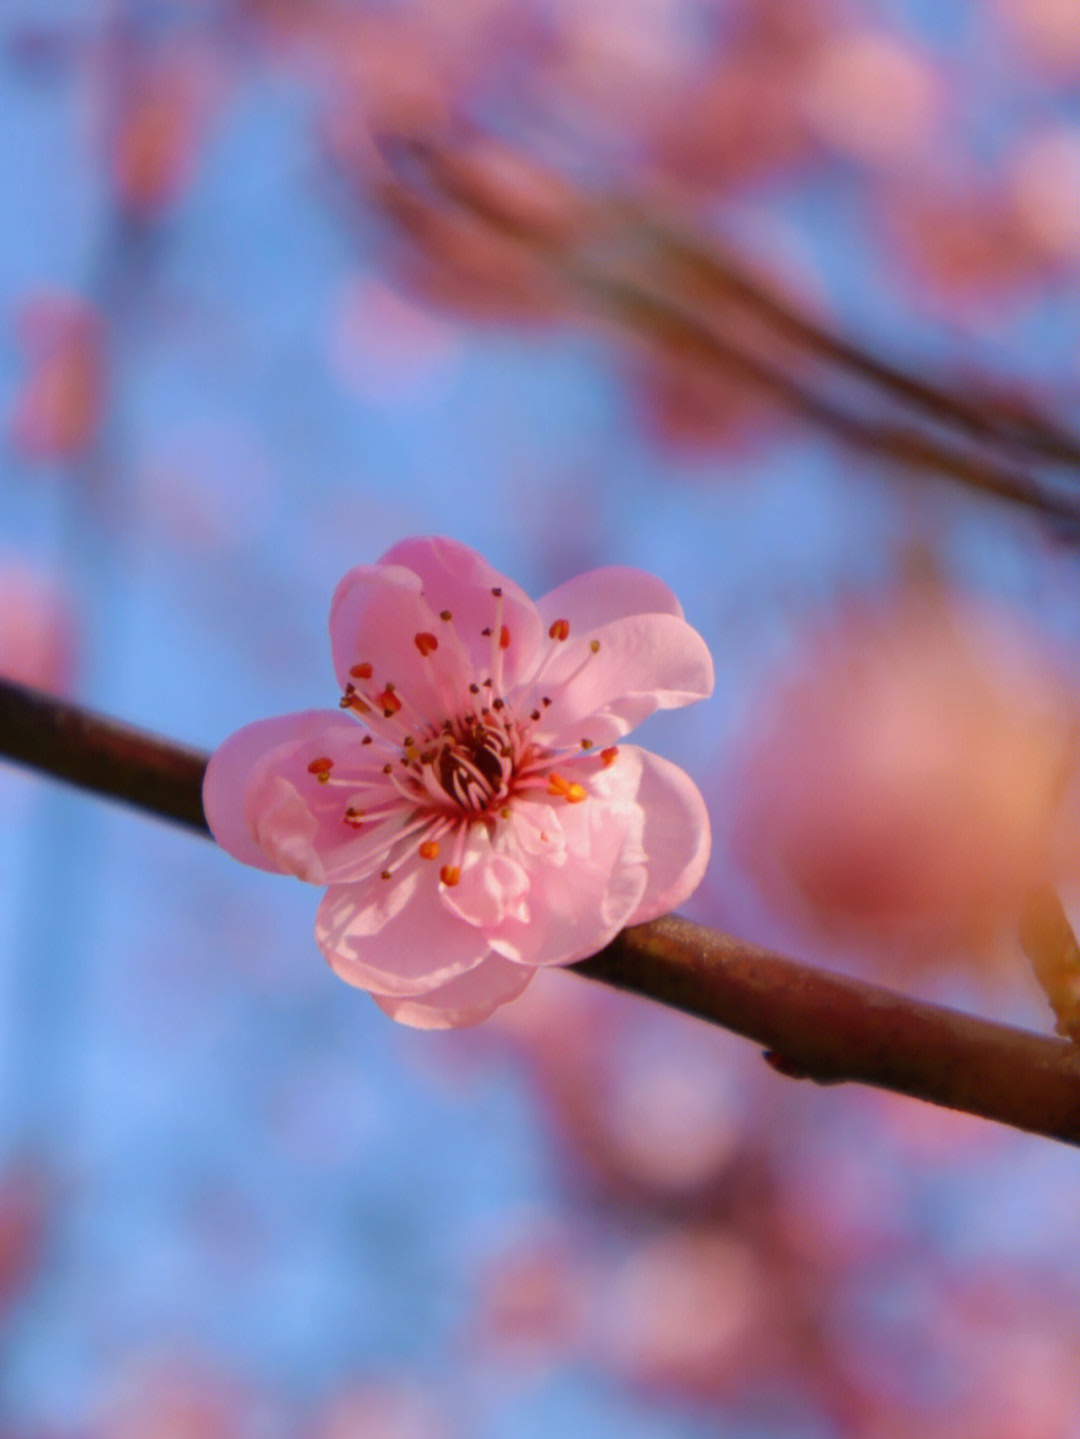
{"x": 814, "y": 1025}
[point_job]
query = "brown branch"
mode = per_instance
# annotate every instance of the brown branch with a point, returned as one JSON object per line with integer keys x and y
{"x": 814, "y": 1025}
{"x": 626, "y": 263}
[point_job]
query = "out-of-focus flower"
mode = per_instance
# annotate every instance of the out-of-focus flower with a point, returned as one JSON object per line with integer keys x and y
{"x": 155, "y": 136}
{"x": 173, "y": 1396}
{"x": 60, "y": 405}
{"x": 688, "y": 1313}
{"x": 903, "y": 784}
{"x": 385, "y": 348}
{"x": 961, "y": 245}
{"x": 873, "y": 98}
{"x": 378, "y": 1409}
{"x": 26, "y": 1205}
{"x": 482, "y": 819}
{"x": 1046, "y": 33}
{"x": 38, "y": 629}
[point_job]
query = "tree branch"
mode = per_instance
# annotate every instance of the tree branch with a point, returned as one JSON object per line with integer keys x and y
{"x": 813, "y": 1024}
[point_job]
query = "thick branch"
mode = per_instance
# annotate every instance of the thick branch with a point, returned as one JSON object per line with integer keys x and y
{"x": 813, "y": 1024}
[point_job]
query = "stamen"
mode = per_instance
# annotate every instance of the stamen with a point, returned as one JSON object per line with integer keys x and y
{"x": 504, "y": 637}
{"x": 321, "y": 768}
{"x": 361, "y": 672}
{"x": 426, "y": 643}
{"x": 449, "y": 874}
{"x": 586, "y": 744}
{"x": 350, "y": 700}
{"x": 429, "y": 849}
{"x": 609, "y": 756}
{"x": 445, "y": 615}
{"x": 560, "y": 630}
{"x": 570, "y": 790}
{"x": 388, "y": 702}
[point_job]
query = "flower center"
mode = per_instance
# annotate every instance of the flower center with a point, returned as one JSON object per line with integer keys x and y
{"x": 474, "y": 765}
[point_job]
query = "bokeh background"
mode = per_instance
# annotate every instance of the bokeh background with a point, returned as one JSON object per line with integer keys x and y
{"x": 236, "y": 1202}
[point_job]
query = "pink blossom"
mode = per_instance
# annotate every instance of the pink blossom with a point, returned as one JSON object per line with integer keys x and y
{"x": 482, "y": 819}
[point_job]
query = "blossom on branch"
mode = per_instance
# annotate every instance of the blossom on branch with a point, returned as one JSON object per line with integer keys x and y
{"x": 482, "y": 819}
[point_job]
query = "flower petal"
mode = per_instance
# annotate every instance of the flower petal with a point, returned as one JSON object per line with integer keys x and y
{"x": 230, "y": 769}
{"x": 607, "y": 681}
{"x": 457, "y": 579}
{"x": 612, "y": 593}
{"x": 583, "y": 892}
{"x": 465, "y": 1000}
{"x": 386, "y": 638}
{"x": 395, "y": 936}
{"x": 676, "y": 837}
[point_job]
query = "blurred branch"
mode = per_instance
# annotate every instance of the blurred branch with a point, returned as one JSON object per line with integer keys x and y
{"x": 813, "y": 1024}
{"x": 629, "y": 264}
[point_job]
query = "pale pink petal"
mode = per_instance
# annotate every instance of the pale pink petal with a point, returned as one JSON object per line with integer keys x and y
{"x": 463, "y": 1001}
{"x": 676, "y": 837}
{"x": 457, "y": 579}
{"x": 600, "y": 596}
{"x": 640, "y": 664}
{"x": 386, "y": 637}
{"x": 395, "y": 936}
{"x": 492, "y": 887}
{"x": 582, "y": 894}
{"x": 230, "y": 770}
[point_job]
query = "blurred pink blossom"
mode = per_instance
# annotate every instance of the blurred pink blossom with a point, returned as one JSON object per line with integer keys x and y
{"x": 902, "y": 786}
{"x": 27, "y": 1202}
{"x": 483, "y": 819}
{"x": 60, "y": 405}
{"x": 688, "y": 1313}
{"x": 38, "y": 628}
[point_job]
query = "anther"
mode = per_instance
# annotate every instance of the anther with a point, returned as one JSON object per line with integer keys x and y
{"x": 354, "y": 816}
{"x": 486, "y": 632}
{"x": 474, "y": 689}
{"x": 586, "y": 744}
{"x": 449, "y": 874}
{"x": 388, "y": 702}
{"x": 385, "y": 874}
{"x": 559, "y": 630}
{"x": 429, "y": 849}
{"x": 504, "y": 638}
{"x": 545, "y": 701}
{"x": 496, "y": 591}
{"x": 361, "y": 672}
{"x": 609, "y": 756}
{"x": 570, "y": 790}
{"x": 321, "y": 768}
{"x": 594, "y": 645}
{"x": 388, "y": 769}
{"x": 445, "y": 615}
{"x": 498, "y": 704}
{"x": 350, "y": 700}
{"x": 425, "y": 643}
{"x": 534, "y": 714}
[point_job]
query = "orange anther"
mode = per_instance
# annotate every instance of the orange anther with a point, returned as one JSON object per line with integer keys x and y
{"x": 322, "y": 765}
{"x": 361, "y": 672}
{"x": 429, "y": 849}
{"x": 560, "y": 630}
{"x": 352, "y": 701}
{"x": 449, "y": 874}
{"x": 609, "y": 756}
{"x": 388, "y": 702}
{"x": 425, "y": 643}
{"x": 445, "y": 615}
{"x": 504, "y": 638}
{"x": 570, "y": 790}
{"x": 594, "y": 645}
